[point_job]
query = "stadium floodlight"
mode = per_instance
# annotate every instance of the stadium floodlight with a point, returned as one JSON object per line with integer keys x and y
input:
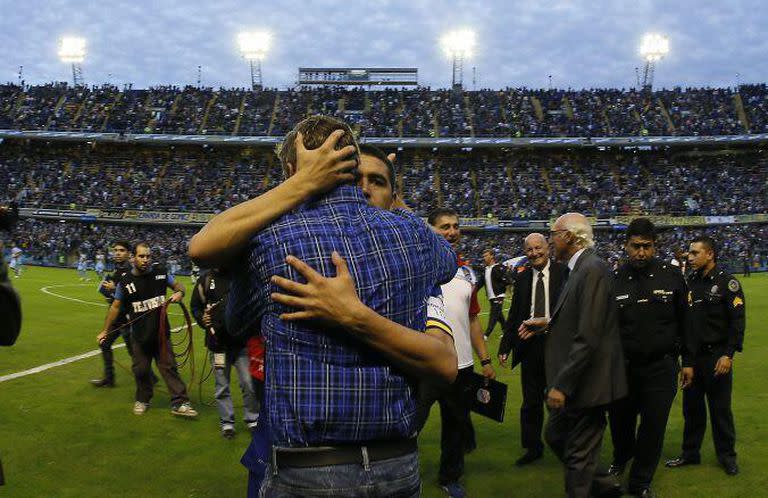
{"x": 458, "y": 45}
{"x": 254, "y": 46}
{"x": 72, "y": 50}
{"x": 653, "y": 48}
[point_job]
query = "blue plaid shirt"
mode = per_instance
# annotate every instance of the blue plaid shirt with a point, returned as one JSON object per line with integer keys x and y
{"x": 323, "y": 386}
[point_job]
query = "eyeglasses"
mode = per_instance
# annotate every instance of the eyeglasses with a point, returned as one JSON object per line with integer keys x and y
{"x": 552, "y": 233}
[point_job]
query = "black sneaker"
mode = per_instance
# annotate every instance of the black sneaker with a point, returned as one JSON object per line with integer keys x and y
{"x": 529, "y": 457}
{"x": 682, "y": 461}
{"x": 615, "y": 470}
{"x": 103, "y": 382}
{"x": 228, "y": 433}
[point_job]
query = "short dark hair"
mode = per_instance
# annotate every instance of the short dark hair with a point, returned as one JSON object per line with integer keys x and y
{"x": 315, "y": 130}
{"x": 439, "y": 212}
{"x": 371, "y": 150}
{"x": 708, "y": 242}
{"x": 643, "y": 228}
{"x": 123, "y": 243}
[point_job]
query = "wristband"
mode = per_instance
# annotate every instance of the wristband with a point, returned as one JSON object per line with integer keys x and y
{"x": 485, "y": 362}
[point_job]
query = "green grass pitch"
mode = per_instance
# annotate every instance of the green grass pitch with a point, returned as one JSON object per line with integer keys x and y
{"x": 60, "y": 437}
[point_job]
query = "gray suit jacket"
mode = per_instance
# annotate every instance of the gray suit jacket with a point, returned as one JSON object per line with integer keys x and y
{"x": 583, "y": 355}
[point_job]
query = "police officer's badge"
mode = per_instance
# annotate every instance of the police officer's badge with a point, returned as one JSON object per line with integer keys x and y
{"x": 733, "y": 285}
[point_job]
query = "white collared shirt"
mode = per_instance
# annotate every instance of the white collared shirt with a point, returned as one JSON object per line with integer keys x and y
{"x": 574, "y": 259}
{"x": 545, "y": 277}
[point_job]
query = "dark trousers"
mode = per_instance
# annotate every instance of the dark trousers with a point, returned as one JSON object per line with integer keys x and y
{"x": 717, "y": 392}
{"x": 106, "y": 349}
{"x": 534, "y": 382}
{"x": 496, "y": 316}
{"x": 143, "y": 354}
{"x": 454, "y": 421}
{"x": 575, "y": 436}
{"x": 652, "y": 388}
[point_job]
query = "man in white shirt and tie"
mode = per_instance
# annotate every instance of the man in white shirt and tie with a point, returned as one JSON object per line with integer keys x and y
{"x": 537, "y": 287}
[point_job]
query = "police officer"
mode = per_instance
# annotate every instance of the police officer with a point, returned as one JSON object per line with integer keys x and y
{"x": 652, "y": 299}
{"x": 717, "y": 325}
{"x": 121, "y": 255}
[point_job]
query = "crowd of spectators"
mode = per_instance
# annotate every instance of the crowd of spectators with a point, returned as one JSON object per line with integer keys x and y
{"x": 60, "y": 243}
{"x": 84, "y": 176}
{"x": 420, "y": 111}
{"x": 478, "y": 183}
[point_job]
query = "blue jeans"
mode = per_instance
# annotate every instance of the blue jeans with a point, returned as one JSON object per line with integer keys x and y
{"x": 239, "y": 359}
{"x": 392, "y": 478}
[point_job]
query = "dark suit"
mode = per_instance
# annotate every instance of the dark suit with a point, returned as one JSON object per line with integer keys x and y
{"x": 584, "y": 361}
{"x": 530, "y": 353}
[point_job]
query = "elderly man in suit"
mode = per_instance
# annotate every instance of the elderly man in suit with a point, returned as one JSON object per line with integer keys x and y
{"x": 583, "y": 358}
{"x": 537, "y": 288}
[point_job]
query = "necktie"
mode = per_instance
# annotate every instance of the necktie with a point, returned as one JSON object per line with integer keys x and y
{"x": 539, "y": 308}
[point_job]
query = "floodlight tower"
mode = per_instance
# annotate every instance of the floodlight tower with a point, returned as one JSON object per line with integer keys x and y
{"x": 254, "y": 46}
{"x": 653, "y": 48}
{"x": 72, "y": 50}
{"x": 458, "y": 45}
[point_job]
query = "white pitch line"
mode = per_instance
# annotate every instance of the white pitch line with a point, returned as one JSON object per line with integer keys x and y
{"x": 71, "y": 359}
{"x": 90, "y": 303}
{"x": 48, "y": 366}
{"x": 46, "y": 291}
{"x": 65, "y": 361}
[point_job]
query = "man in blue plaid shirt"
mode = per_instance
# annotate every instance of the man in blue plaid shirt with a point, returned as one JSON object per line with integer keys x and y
{"x": 336, "y": 398}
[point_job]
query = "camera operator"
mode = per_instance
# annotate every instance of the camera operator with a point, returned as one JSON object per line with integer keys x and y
{"x": 10, "y": 306}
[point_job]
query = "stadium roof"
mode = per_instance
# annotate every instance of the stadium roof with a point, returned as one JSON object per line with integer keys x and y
{"x": 405, "y": 142}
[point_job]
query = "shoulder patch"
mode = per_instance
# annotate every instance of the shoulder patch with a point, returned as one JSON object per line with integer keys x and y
{"x": 733, "y": 285}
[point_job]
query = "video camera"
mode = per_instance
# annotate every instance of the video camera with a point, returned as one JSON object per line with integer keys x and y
{"x": 9, "y": 215}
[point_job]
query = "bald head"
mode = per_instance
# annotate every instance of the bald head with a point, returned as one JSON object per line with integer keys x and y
{"x": 534, "y": 238}
{"x": 570, "y": 233}
{"x": 536, "y": 250}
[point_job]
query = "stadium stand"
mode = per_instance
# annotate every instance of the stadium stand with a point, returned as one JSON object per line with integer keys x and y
{"x": 511, "y": 112}
{"x": 499, "y": 192}
{"x": 480, "y": 183}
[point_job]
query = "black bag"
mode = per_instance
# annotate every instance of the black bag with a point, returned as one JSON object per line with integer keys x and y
{"x": 489, "y": 397}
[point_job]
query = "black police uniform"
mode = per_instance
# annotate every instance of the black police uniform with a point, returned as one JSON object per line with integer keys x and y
{"x": 653, "y": 320}
{"x": 717, "y": 326}
{"x": 118, "y": 329}
{"x": 142, "y": 296}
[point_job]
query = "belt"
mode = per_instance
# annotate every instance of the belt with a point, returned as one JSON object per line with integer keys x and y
{"x": 322, "y": 456}
{"x": 643, "y": 360}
